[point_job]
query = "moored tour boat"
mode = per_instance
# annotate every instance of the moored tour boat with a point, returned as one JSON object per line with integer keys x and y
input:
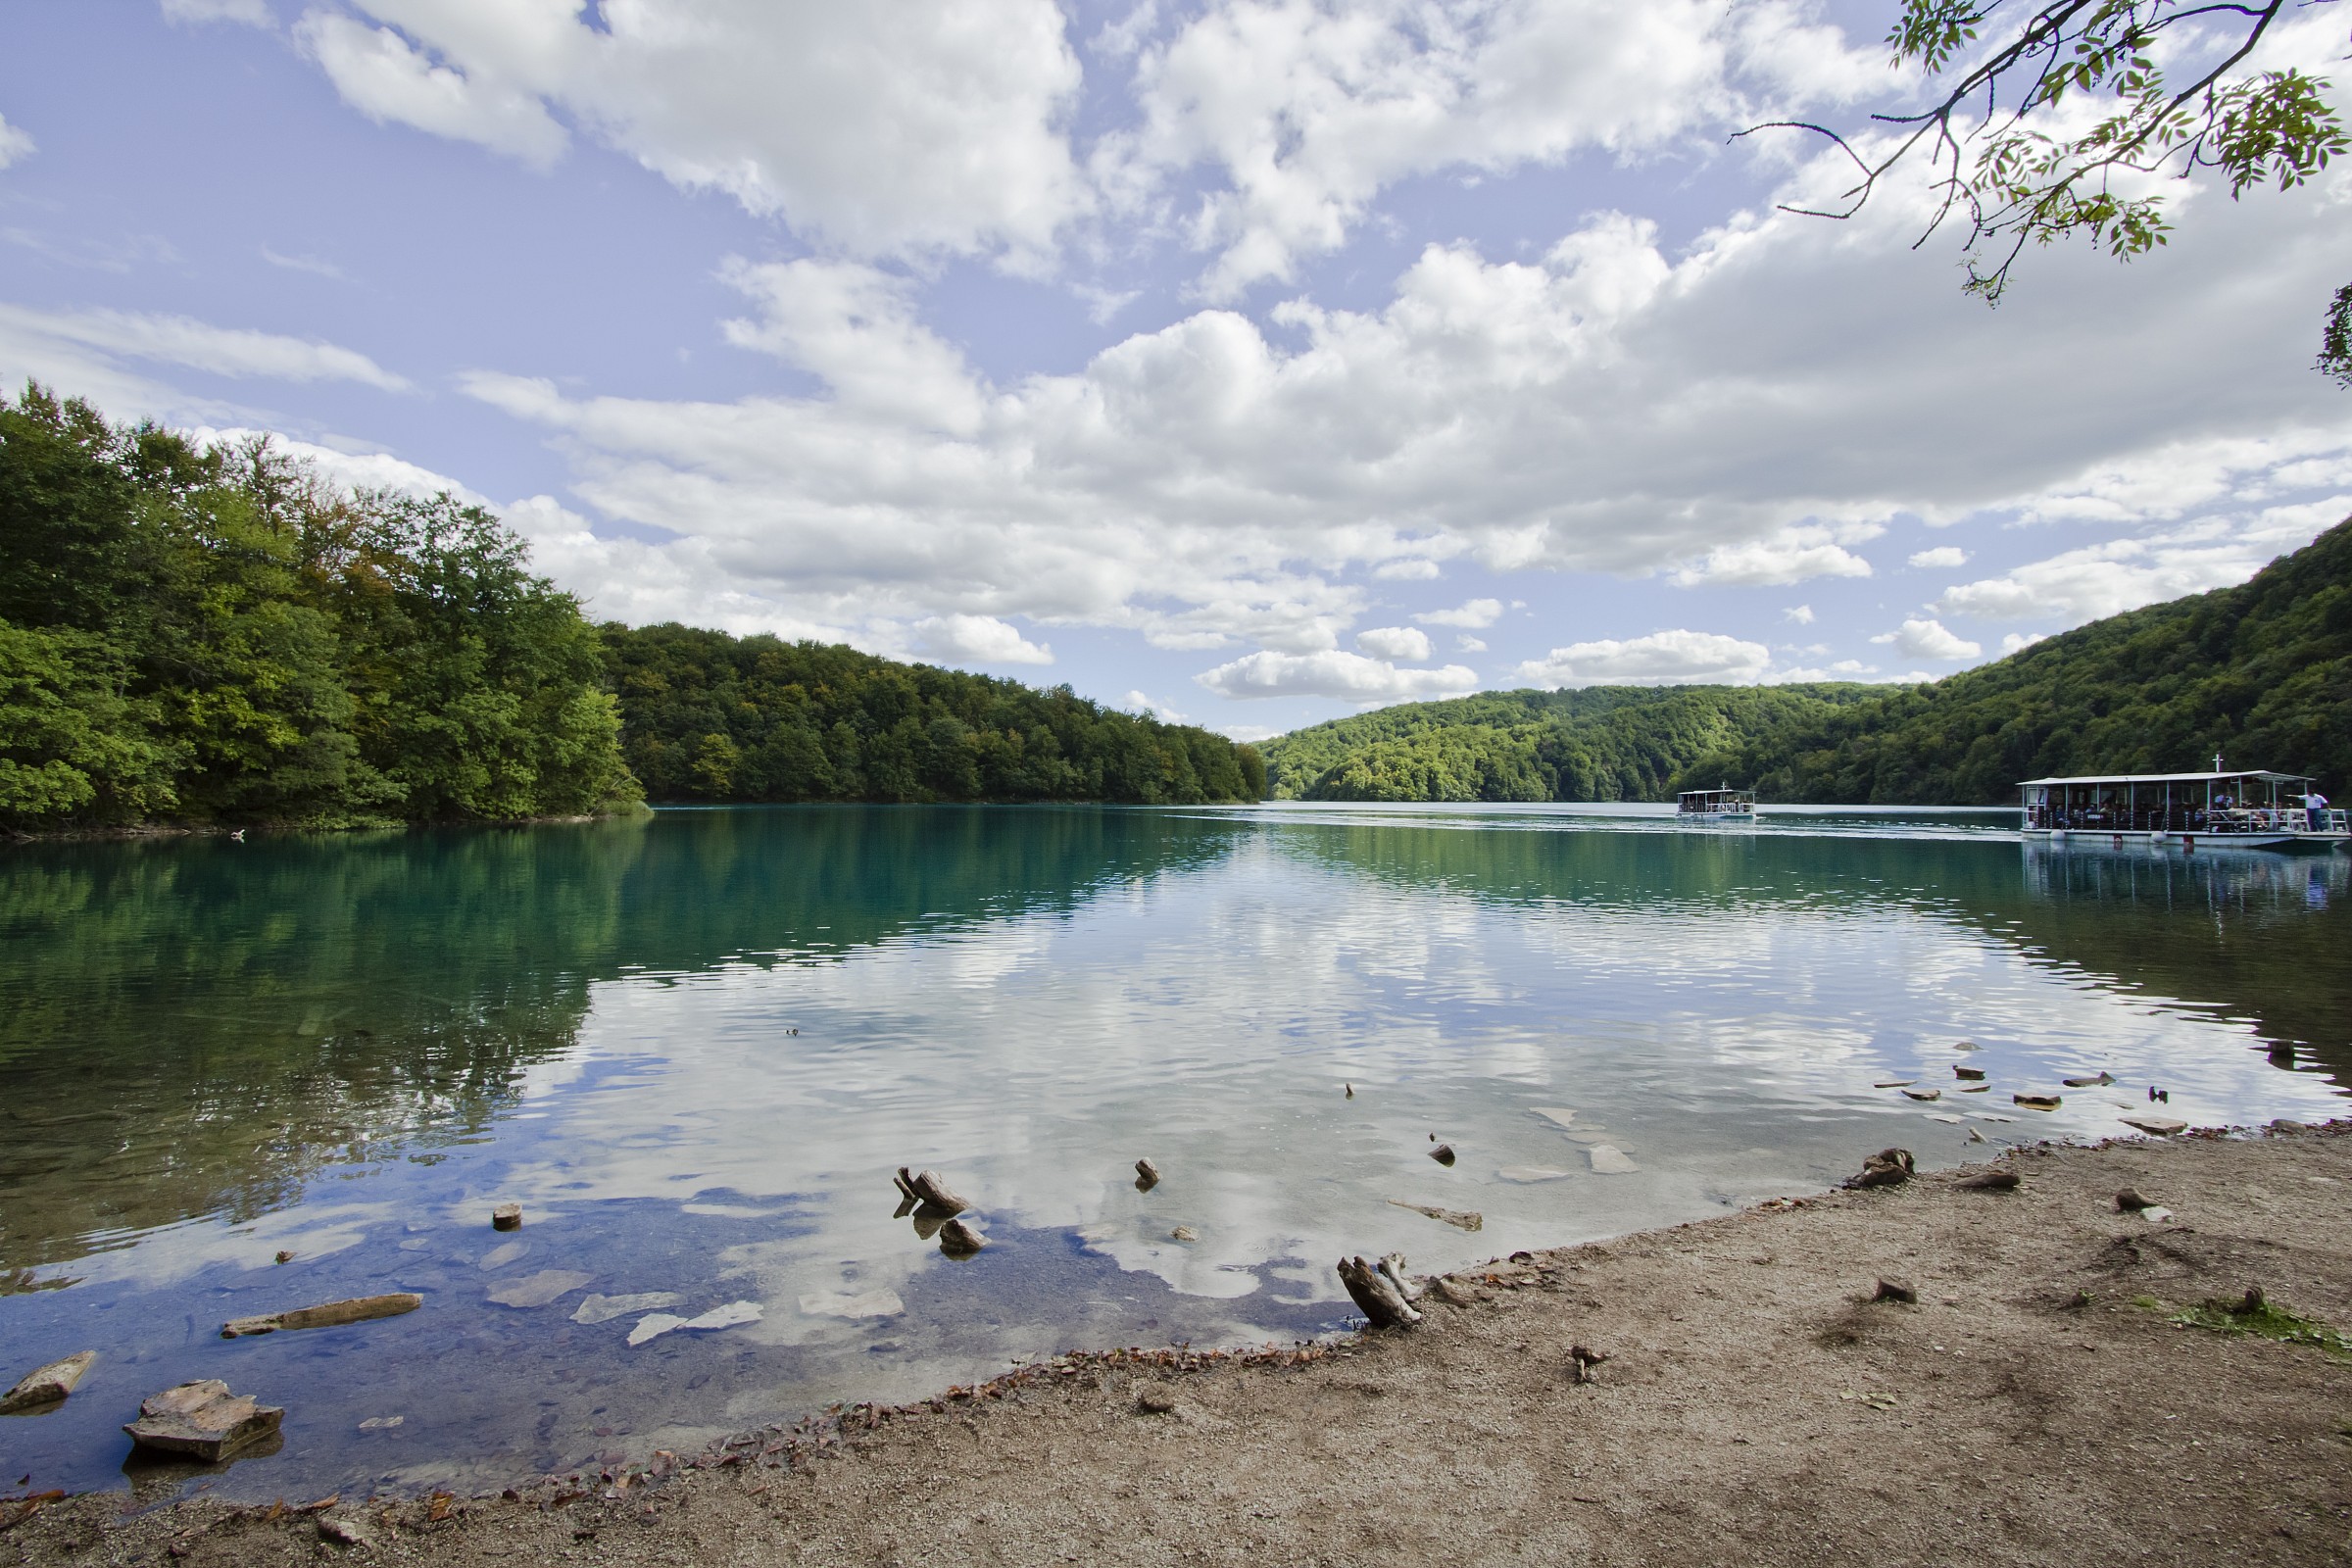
{"x": 1725, "y": 805}
{"x": 2248, "y": 808}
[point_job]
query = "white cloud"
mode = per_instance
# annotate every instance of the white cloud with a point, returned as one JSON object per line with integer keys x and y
{"x": 252, "y": 13}
{"x": 1412, "y": 568}
{"x": 1250, "y": 734}
{"x": 979, "y": 639}
{"x": 1802, "y": 614}
{"x": 1792, "y": 555}
{"x": 2014, "y": 641}
{"x": 380, "y": 75}
{"x": 15, "y": 143}
{"x": 1304, "y": 113}
{"x": 892, "y": 128}
{"x": 1478, "y": 613}
{"x": 1348, "y": 676}
{"x": 93, "y": 342}
{"x": 1464, "y": 643}
{"x": 301, "y": 264}
{"x": 2119, "y": 574}
{"x": 1940, "y": 558}
{"x": 1661, "y": 659}
{"x": 1408, "y": 643}
{"x": 1928, "y": 639}
{"x": 855, "y": 326}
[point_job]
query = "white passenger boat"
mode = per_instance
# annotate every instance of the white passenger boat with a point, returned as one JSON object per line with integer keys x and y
{"x": 2248, "y": 808}
{"x": 1725, "y": 805}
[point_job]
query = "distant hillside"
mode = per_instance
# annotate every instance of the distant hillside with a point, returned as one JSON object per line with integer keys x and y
{"x": 2262, "y": 671}
{"x": 1604, "y": 743}
{"x": 706, "y": 717}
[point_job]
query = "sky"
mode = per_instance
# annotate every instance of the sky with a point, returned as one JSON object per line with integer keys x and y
{"x": 1248, "y": 362}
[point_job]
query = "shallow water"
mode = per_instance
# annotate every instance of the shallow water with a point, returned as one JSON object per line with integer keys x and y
{"x": 694, "y": 1048}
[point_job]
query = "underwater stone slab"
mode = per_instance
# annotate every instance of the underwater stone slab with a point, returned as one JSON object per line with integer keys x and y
{"x": 537, "y": 1290}
{"x": 1611, "y": 1160}
{"x": 605, "y": 1308}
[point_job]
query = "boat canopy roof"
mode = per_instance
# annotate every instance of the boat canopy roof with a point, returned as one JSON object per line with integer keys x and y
{"x": 1724, "y": 790}
{"x": 2174, "y": 778}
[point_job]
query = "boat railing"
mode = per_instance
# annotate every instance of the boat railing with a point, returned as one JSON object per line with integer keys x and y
{"x": 2224, "y": 820}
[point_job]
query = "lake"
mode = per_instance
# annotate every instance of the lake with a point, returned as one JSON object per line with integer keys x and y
{"x": 694, "y": 1047}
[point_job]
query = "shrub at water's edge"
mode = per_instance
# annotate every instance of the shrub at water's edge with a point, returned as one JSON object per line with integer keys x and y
{"x": 214, "y": 634}
{"x": 706, "y": 717}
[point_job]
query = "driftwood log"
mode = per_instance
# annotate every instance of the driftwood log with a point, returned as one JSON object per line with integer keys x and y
{"x": 1375, "y": 1291}
{"x": 925, "y": 1186}
{"x": 334, "y": 1315}
{"x": 1992, "y": 1181}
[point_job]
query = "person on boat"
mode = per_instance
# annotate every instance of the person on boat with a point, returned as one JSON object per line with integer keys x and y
{"x": 2315, "y": 810}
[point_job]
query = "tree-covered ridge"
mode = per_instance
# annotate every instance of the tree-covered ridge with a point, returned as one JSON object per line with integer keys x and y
{"x": 215, "y": 634}
{"x": 2261, "y": 672}
{"x": 708, "y": 716}
{"x": 1603, "y": 743}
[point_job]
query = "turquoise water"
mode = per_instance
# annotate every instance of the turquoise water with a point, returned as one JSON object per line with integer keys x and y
{"x": 695, "y": 1047}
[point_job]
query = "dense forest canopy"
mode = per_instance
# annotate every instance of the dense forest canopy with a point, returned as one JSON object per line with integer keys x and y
{"x": 214, "y": 634}
{"x": 706, "y": 717}
{"x": 1603, "y": 743}
{"x": 2262, "y": 671}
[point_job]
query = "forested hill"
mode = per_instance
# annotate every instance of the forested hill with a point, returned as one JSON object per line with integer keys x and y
{"x": 2261, "y": 672}
{"x": 1603, "y": 743}
{"x": 213, "y": 634}
{"x": 706, "y": 716}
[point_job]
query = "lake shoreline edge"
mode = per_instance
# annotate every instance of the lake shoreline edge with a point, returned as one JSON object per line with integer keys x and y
{"x": 1713, "y": 1341}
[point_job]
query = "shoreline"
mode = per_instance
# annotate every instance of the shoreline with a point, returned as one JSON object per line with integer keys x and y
{"x": 2038, "y": 1399}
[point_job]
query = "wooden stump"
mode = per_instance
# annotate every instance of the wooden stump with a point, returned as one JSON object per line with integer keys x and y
{"x": 1375, "y": 1294}
{"x": 927, "y": 1187}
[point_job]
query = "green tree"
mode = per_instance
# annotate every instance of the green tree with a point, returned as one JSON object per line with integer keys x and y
{"x": 2012, "y": 171}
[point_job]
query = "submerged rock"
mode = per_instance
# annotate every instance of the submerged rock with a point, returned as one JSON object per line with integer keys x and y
{"x": 1967, "y": 1072}
{"x": 1184, "y": 1233}
{"x": 1923, "y": 1093}
{"x": 732, "y": 1315}
{"x": 1557, "y": 1115}
{"x": 1611, "y": 1160}
{"x": 2037, "y": 1102}
{"x": 844, "y": 1303}
{"x": 1530, "y": 1174}
{"x": 48, "y": 1385}
{"x": 202, "y": 1420}
{"x": 333, "y": 1314}
{"x": 537, "y": 1290}
{"x": 605, "y": 1308}
{"x": 2099, "y": 1082}
{"x": 505, "y": 1252}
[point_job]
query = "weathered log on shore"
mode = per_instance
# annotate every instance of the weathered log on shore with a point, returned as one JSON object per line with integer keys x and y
{"x": 331, "y": 1314}
{"x": 202, "y": 1420}
{"x": 1888, "y": 1167}
{"x": 1375, "y": 1295}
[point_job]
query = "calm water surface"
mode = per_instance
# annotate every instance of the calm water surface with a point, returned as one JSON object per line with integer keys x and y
{"x": 694, "y": 1048}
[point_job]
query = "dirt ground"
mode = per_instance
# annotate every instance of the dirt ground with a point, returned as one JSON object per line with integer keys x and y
{"x": 2035, "y": 1405}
